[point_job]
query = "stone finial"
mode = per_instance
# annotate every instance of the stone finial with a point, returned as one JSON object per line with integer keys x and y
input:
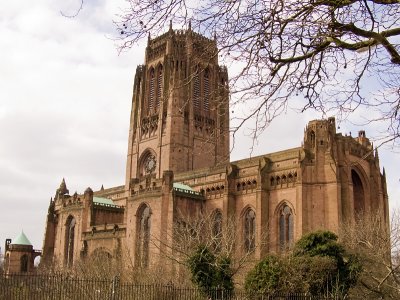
{"x": 102, "y": 188}
{"x": 148, "y": 39}
{"x": 190, "y": 25}
{"x": 62, "y": 190}
{"x": 62, "y": 184}
{"x": 170, "y": 25}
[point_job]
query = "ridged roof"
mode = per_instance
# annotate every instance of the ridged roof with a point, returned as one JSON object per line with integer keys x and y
{"x": 180, "y": 185}
{"x": 103, "y": 200}
{"x": 21, "y": 239}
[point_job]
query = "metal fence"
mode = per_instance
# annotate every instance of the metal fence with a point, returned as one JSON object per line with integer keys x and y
{"x": 48, "y": 287}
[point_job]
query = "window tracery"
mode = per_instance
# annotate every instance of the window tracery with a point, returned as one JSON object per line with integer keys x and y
{"x": 249, "y": 230}
{"x": 148, "y": 163}
{"x": 285, "y": 227}
{"x": 202, "y": 90}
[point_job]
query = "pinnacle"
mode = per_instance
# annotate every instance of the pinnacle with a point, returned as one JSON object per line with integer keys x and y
{"x": 62, "y": 184}
{"x": 62, "y": 190}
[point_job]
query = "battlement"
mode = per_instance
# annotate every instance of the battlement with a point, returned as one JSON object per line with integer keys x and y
{"x": 179, "y": 34}
{"x": 181, "y": 42}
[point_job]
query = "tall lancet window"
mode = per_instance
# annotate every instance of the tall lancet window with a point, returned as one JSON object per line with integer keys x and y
{"x": 358, "y": 194}
{"x": 196, "y": 89}
{"x": 312, "y": 139}
{"x": 159, "y": 87}
{"x": 143, "y": 236}
{"x": 69, "y": 241}
{"x": 216, "y": 233}
{"x": 249, "y": 230}
{"x": 151, "y": 90}
{"x": 285, "y": 227}
{"x": 206, "y": 90}
{"x": 24, "y": 263}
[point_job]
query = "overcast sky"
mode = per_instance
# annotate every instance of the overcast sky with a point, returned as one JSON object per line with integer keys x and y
{"x": 65, "y": 97}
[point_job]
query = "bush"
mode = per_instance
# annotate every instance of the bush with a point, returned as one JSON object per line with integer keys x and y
{"x": 324, "y": 244}
{"x": 267, "y": 276}
{"x": 209, "y": 272}
{"x": 318, "y": 265}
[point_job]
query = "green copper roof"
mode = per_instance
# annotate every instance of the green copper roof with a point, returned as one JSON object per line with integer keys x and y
{"x": 180, "y": 185}
{"x": 103, "y": 200}
{"x": 21, "y": 239}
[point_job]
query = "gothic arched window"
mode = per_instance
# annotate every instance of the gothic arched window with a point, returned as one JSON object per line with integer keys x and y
{"x": 69, "y": 241}
{"x": 312, "y": 138}
{"x": 148, "y": 163}
{"x": 159, "y": 86}
{"x": 285, "y": 227}
{"x": 249, "y": 230}
{"x": 24, "y": 263}
{"x": 358, "y": 194}
{"x": 217, "y": 230}
{"x": 151, "y": 90}
{"x": 143, "y": 236}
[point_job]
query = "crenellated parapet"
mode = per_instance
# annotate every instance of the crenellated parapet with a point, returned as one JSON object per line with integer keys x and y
{"x": 145, "y": 185}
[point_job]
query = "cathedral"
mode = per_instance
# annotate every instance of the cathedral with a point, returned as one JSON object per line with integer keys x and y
{"x": 178, "y": 166}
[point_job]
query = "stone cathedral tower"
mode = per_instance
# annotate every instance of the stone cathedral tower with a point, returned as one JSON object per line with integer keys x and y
{"x": 179, "y": 119}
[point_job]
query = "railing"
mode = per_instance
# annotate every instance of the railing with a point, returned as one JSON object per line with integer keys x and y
{"x": 48, "y": 287}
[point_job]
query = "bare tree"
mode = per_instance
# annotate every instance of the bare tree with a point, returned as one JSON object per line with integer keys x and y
{"x": 207, "y": 230}
{"x": 378, "y": 248}
{"x": 310, "y": 54}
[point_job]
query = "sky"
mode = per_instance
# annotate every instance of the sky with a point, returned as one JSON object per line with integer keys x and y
{"x": 65, "y": 100}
